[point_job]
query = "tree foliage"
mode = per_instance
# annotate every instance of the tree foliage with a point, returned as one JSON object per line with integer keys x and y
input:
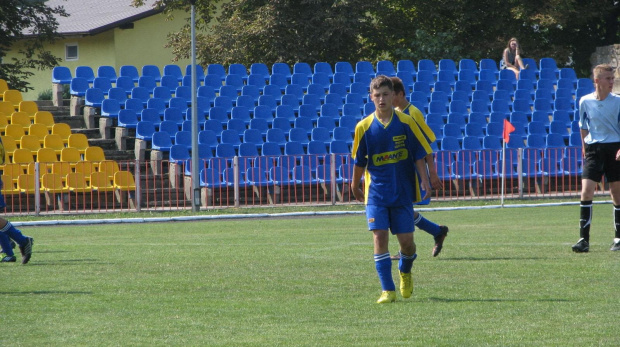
{"x": 246, "y": 31}
{"x": 32, "y": 24}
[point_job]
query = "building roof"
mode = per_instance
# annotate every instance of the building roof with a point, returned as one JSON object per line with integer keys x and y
{"x": 89, "y": 17}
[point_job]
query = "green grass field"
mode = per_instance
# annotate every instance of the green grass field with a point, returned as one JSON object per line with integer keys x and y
{"x": 506, "y": 277}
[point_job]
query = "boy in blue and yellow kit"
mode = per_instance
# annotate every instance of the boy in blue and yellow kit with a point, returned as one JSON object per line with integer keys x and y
{"x": 389, "y": 150}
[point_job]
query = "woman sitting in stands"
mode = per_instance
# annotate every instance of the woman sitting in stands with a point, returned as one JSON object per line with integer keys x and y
{"x": 511, "y": 58}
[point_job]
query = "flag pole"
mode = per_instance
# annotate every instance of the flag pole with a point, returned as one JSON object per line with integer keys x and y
{"x": 503, "y": 173}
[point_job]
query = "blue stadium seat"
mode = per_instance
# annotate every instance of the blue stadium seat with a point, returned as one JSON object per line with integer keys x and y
{"x": 386, "y": 67}
{"x": 110, "y": 108}
{"x": 128, "y": 118}
{"x": 468, "y": 64}
{"x": 281, "y": 68}
{"x": 161, "y": 141}
{"x": 304, "y": 68}
{"x": 94, "y": 97}
{"x": 179, "y": 154}
{"x": 130, "y": 71}
{"x": 78, "y": 86}
{"x": 259, "y": 69}
{"x": 61, "y": 75}
{"x": 85, "y": 72}
{"x": 152, "y": 71}
{"x": 102, "y": 83}
{"x": 208, "y": 137}
{"x": 174, "y": 71}
{"x": 325, "y": 68}
{"x": 344, "y": 67}
{"x": 366, "y": 68}
{"x": 238, "y": 70}
{"x": 145, "y": 130}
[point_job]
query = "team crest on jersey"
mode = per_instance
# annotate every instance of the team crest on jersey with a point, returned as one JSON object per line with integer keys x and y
{"x": 390, "y": 157}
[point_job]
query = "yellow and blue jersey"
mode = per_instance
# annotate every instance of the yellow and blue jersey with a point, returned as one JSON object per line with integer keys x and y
{"x": 388, "y": 153}
{"x": 417, "y": 116}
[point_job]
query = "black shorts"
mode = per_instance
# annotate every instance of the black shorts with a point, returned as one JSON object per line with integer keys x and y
{"x": 601, "y": 160}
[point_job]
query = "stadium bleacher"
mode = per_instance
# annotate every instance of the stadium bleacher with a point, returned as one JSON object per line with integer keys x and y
{"x": 275, "y": 103}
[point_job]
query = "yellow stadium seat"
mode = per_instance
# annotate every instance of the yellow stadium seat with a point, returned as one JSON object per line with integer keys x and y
{"x": 30, "y": 142}
{"x": 124, "y": 180}
{"x": 38, "y": 130}
{"x": 4, "y": 121}
{"x": 13, "y": 170}
{"x": 94, "y": 153}
{"x": 46, "y": 155}
{"x": 53, "y": 183}
{"x": 22, "y": 156}
{"x": 101, "y": 182}
{"x": 14, "y": 97}
{"x": 54, "y": 142}
{"x": 14, "y": 130}
{"x": 26, "y": 183}
{"x": 3, "y": 88}
{"x": 79, "y": 141}
{"x": 86, "y": 167}
{"x": 8, "y": 184}
{"x": 29, "y": 107}
{"x": 70, "y": 155}
{"x": 46, "y": 118}
{"x": 22, "y": 119}
{"x": 76, "y": 182}
{"x": 10, "y": 145}
{"x": 62, "y": 169}
{"x": 43, "y": 168}
{"x": 110, "y": 167}
{"x": 6, "y": 108}
{"x": 62, "y": 129}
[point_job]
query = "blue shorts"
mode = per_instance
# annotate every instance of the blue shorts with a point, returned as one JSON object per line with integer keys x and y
{"x": 399, "y": 219}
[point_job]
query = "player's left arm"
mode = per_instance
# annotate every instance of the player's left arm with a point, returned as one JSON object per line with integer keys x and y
{"x": 432, "y": 172}
{"x": 425, "y": 185}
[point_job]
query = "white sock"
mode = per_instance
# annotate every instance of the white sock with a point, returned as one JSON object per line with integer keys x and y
{"x": 616, "y": 240}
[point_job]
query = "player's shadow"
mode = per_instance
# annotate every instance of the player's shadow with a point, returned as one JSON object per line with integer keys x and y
{"x": 436, "y": 299}
{"x": 68, "y": 262}
{"x": 490, "y": 258}
{"x": 47, "y": 292}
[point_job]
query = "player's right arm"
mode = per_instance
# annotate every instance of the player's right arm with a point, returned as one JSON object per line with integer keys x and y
{"x": 356, "y": 181}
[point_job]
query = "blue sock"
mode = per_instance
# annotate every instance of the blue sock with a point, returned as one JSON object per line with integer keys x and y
{"x": 406, "y": 262}
{"x": 14, "y": 233}
{"x": 427, "y": 225}
{"x": 383, "y": 263}
{"x": 5, "y": 243}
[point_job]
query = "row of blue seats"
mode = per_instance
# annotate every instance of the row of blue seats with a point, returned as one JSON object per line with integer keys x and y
{"x": 313, "y": 169}
{"x": 63, "y": 74}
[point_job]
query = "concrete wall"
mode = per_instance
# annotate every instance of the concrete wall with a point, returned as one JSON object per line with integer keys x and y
{"x": 609, "y": 55}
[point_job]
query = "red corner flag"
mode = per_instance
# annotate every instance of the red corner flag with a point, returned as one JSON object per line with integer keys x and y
{"x": 508, "y": 128}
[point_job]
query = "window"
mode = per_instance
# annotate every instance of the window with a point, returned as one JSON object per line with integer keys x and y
{"x": 71, "y": 51}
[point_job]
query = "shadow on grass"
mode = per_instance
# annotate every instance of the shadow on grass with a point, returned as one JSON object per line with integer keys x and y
{"x": 493, "y": 258}
{"x": 68, "y": 262}
{"x": 46, "y": 292}
{"x": 495, "y": 300}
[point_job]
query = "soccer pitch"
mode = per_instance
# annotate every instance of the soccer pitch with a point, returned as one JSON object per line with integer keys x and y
{"x": 506, "y": 277}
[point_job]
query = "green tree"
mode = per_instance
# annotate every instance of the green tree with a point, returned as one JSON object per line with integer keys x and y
{"x": 245, "y": 31}
{"x": 30, "y": 24}
{"x": 248, "y": 31}
{"x": 566, "y": 30}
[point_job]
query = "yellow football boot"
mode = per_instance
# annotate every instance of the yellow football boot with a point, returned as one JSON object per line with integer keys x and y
{"x": 387, "y": 296}
{"x": 406, "y": 285}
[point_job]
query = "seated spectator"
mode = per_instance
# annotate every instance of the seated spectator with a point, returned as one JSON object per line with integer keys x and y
{"x": 511, "y": 59}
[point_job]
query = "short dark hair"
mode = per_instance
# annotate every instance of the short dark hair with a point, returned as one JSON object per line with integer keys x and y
{"x": 381, "y": 81}
{"x": 399, "y": 87}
